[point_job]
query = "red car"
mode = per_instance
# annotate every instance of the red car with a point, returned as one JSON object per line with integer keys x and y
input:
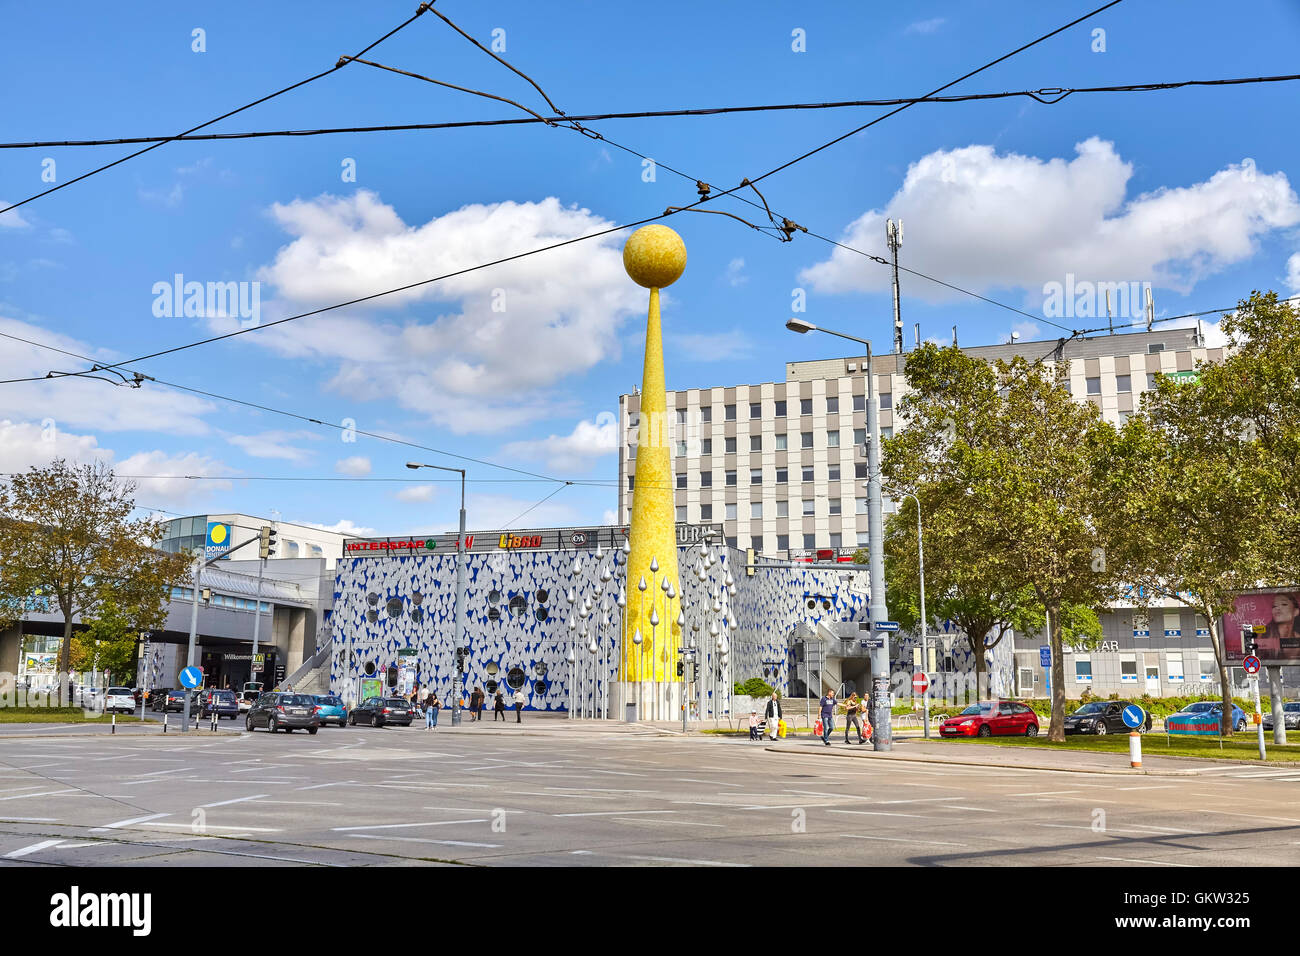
{"x": 989, "y": 717}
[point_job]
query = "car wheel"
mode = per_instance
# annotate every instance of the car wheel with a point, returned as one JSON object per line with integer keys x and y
{"x": 352, "y": 719}
{"x": 374, "y": 720}
{"x": 1101, "y": 729}
{"x": 985, "y": 730}
{"x": 1031, "y": 730}
{"x": 288, "y": 730}
{"x": 1241, "y": 725}
{"x": 311, "y": 730}
{"x": 248, "y": 725}
{"x": 273, "y": 725}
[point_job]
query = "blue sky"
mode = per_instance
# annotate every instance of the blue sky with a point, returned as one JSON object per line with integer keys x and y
{"x": 1191, "y": 190}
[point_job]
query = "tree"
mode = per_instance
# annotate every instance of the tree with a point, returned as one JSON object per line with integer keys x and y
{"x": 1009, "y": 439}
{"x": 108, "y": 644}
{"x": 68, "y": 535}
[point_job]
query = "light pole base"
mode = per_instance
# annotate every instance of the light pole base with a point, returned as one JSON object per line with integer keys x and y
{"x": 647, "y": 699}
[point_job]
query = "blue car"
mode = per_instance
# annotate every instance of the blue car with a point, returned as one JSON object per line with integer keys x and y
{"x": 1207, "y": 714}
{"x": 330, "y": 710}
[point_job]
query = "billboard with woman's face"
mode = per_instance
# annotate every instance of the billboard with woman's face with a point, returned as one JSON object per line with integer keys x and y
{"x": 1278, "y": 613}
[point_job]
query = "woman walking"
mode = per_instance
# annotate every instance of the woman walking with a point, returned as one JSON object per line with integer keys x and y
{"x": 499, "y": 708}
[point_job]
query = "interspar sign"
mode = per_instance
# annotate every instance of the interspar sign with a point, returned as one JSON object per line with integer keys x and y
{"x": 403, "y": 545}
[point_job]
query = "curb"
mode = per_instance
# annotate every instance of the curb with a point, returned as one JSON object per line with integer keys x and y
{"x": 871, "y": 754}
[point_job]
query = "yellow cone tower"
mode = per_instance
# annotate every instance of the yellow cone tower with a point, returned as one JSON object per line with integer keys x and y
{"x": 655, "y": 258}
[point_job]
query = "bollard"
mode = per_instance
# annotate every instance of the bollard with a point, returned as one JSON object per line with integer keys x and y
{"x": 214, "y": 720}
{"x": 1135, "y": 750}
{"x": 114, "y": 730}
{"x": 164, "y": 721}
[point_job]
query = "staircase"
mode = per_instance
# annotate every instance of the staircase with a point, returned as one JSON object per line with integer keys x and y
{"x": 313, "y": 677}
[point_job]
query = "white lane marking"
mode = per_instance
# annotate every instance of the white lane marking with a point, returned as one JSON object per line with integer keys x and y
{"x": 1120, "y": 859}
{"x": 8, "y": 819}
{"x": 1139, "y": 826}
{"x": 918, "y": 800}
{"x": 676, "y": 823}
{"x": 34, "y": 848}
{"x": 371, "y": 836}
{"x": 1163, "y": 786}
{"x": 609, "y": 813}
{"x": 318, "y": 786}
{"x": 223, "y": 803}
{"x": 300, "y": 803}
{"x": 402, "y": 826}
{"x": 477, "y": 809}
{"x": 607, "y": 790}
{"x": 1109, "y": 829}
{"x": 43, "y": 793}
{"x": 1261, "y": 774}
{"x": 127, "y": 823}
{"x": 883, "y": 813}
{"x": 213, "y": 826}
{"x": 976, "y": 809}
{"x": 35, "y": 786}
{"x": 859, "y": 836}
{"x": 1042, "y": 793}
{"x": 674, "y": 859}
{"x": 156, "y": 773}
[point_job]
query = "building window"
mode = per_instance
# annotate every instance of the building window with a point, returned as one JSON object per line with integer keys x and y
{"x": 729, "y": 446}
{"x": 837, "y": 541}
{"x": 808, "y": 506}
{"x": 1208, "y": 669}
{"x": 1094, "y": 386}
{"x": 1155, "y": 347}
{"x": 832, "y": 404}
{"x": 809, "y": 541}
{"x": 886, "y": 401}
{"x": 756, "y": 509}
{"x": 860, "y": 469}
{"x": 1123, "y": 383}
{"x": 862, "y": 506}
{"x": 631, "y": 482}
{"x": 756, "y": 476}
{"x": 731, "y": 541}
{"x": 805, "y": 439}
{"x": 755, "y": 442}
{"x": 1174, "y": 667}
{"x": 783, "y": 542}
{"x": 783, "y": 509}
{"x": 1151, "y": 381}
{"x": 681, "y": 480}
{"x": 755, "y": 409}
{"x": 780, "y": 442}
{"x": 706, "y": 479}
{"x": 832, "y": 472}
{"x": 859, "y": 403}
{"x": 756, "y": 542}
{"x": 782, "y": 475}
{"x": 681, "y": 514}
{"x": 835, "y": 506}
{"x": 730, "y": 413}
{"x": 1128, "y": 668}
{"x": 807, "y": 472}
{"x": 731, "y": 511}
{"x": 706, "y": 446}
{"x": 731, "y": 478}
{"x": 833, "y": 438}
{"x": 681, "y": 449}
{"x": 706, "y": 413}
{"x": 859, "y": 436}
{"x": 631, "y": 450}
{"x": 780, "y": 409}
{"x": 681, "y": 416}
{"x": 864, "y": 539}
{"x": 706, "y": 512}
{"x": 1082, "y": 670}
{"x": 805, "y": 406}
{"x": 887, "y": 432}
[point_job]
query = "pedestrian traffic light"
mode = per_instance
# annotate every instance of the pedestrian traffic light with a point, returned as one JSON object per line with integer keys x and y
{"x": 1248, "y": 639}
{"x": 681, "y": 669}
{"x": 266, "y": 542}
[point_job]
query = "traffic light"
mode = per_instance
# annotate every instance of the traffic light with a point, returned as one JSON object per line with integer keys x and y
{"x": 681, "y": 669}
{"x": 1248, "y": 639}
{"x": 266, "y": 542}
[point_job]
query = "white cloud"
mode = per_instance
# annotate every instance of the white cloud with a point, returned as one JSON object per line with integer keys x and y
{"x": 1293, "y": 273}
{"x": 609, "y": 517}
{"x": 416, "y": 493}
{"x": 343, "y": 526}
{"x": 11, "y": 219}
{"x": 735, "y": 274}
{"x": 356, "y": 466}
{"x": 170, "y": 485}
{"x": 926, "y": 26}
{"x": 711, "y": 346}
{"x": 275, "y": 444}
{"x": 577, "y": 451}
{"x": 171, "y": 198}
{"x": 989, "y": 221}
{"x": 497, "y": 341}
{"x": 1028, "y": 331}
{"x": 501, "y": 511}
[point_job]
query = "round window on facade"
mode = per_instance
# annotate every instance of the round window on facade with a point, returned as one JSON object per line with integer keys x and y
{"x": 494, "y": 614}
{"x": 417, "y": 614}
{"x": 492, "y": 669}
{"x": 370, "y": 668}
{"x": 539, "y": 670}
{"x": 826, "y": 605}
{"x": 516, "y": 677}
{"x": 539, "y": 687}
{"x": 494, "y": 596}
{"x": 541, "y": 614}
{"x": 372, "y": 615}
{"x": 417, "y": 598}
{"x": 394, "y": 607}
{"x": 372, "y": 599}
{"x": 812, "y": 604}
{"x": 542, "y": 596}
{"x": 518, "y": 605}
{"x": 491, "y": 686}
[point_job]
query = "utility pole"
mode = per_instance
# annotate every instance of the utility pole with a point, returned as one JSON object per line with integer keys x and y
{"x": 194, "y": 630}
{"x": 266, "y": 548}
{"x": 894, "y": 237}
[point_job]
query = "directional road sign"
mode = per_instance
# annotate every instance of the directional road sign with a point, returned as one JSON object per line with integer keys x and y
{"x": 920, "y": 683}
{"x": 1134, "y": 716}
{"x": 1250, "y": 665}
{"x": 191, "y": 677}
{"x": 886, "y": 625}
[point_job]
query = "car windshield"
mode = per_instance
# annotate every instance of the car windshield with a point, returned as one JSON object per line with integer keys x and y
{"x": 295, "y": 700}
{"x": 1291, "y": 708}
{"x": 224, "y": 695}
{"x": 1202, "y": 707}
{"x": 119, "y": 691}
{"x": 330, "y": 701}
{"x": 395, "y": 702}
{"x": 1093, "y": 708}
{"x": 975, "y": 709}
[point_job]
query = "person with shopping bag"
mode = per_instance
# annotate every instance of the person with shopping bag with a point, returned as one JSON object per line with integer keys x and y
{"x": 853, "y": 717}
{"x": 773, "y": 715}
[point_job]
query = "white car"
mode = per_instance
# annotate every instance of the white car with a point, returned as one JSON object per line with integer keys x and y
{"x": 119, "y": 700}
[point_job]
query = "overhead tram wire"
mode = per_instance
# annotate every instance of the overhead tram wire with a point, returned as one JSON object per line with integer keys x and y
{"x": 216, "y": 119}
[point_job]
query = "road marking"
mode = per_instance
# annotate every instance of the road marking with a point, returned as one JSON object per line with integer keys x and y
{"x": 318, "y": 786}
{"x": 1042, "y": 793}
{"x": 8, "y": 819}
{"x": 127, "y": 823}
{"x": 859, "y": 836}
{"x": 300, "y": 803}
{"x": 608, "y": 790}
{"x": 213, "y": 826}
{"x": 155, "y": 773}
{"x": 609, "y": 813}
{"x": 223, "y": 803}
{"x": 977, "y": 809}
{"x": 882, "y": 813}
{"x": 1160, "y": 786}
{"x": 917, "y": 800}
{"x": 370, "y": 836}
{"x": 674, "y": 859}
{"x": 43, "y": 793}
{"x": 402, "y": 826}
{"x": 1109, "y": 829}
{"x": 35, "y": 786}
{"x": 34, "y": 848}
{"x": 1120, "y": 859}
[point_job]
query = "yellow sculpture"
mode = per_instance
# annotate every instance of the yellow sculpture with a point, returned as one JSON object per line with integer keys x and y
{"x": 654, "y": 257}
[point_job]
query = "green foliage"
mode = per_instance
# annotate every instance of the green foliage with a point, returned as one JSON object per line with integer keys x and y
{"x": 754, "y": 687}
{"x": 107, "y": 644}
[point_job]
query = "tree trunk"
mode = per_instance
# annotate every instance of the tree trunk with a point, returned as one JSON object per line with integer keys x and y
{"x": 65, "y": 659}
{"x": 1225, "y": 685}
{"x": 1056, "y": 729}
{"x": 976, "y": 647}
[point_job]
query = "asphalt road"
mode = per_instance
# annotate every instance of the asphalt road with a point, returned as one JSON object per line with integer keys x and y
{"x": 501, "y": 797}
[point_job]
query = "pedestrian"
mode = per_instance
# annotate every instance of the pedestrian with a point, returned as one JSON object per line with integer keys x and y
{"x": 499, "y": 707}
{"x": 828, "y": 716}
{"x": 773, "y": 715}
{"x": 753, "y": 725}
{"x": 476, "y": 703}
{"x": 853, "y": 713}
{"x": 431, "y": 708}
{"x": 519, "y": 705}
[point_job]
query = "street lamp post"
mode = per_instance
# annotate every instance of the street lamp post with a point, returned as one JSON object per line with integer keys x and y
{"x": 460, "y": 590}
{"x": 925, "y": 650}
{"x": 880, "y": 714}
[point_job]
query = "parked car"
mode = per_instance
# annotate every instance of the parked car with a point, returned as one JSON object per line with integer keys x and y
{"x": 282, "y": 711}
{"x": 222, "y": 701}
{"x": 989, "y": 717}
{"x": 379, "y": 711}
{"x": 330, "y": 709}
{"x": 1207, "y": 712}
{"x": 247, "y": 698}
{"x": 119, "y": 700}
{"x": 1290, "y": 717}
{"x": 1102, "y": 717}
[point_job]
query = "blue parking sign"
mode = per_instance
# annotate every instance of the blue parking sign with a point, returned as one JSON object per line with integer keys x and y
{"x": 1045, "y": 655}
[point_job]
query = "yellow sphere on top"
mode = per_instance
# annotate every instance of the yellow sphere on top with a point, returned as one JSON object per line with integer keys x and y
{"x": 655, "y": 256}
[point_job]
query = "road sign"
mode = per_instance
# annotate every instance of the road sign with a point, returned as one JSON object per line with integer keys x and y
{"x": 1134, "y": 716}
{"x": 920, "y": 683}
{"x": 872, "y": 642}
{"x": 886, "y": 625}
{"x": 191, "y": 677}
{"x": 1250, "y": 665}
{"x": 1045, "y": 655}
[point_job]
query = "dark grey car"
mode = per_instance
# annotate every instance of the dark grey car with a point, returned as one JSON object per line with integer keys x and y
{"x": 282, "y": 711}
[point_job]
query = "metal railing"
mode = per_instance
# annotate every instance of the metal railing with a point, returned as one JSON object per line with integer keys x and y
{"x": 321, "y": 657}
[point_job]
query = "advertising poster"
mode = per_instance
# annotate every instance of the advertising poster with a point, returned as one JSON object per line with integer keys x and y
{"x": 371, "y": 687}
{"x": 1278, "y": 612}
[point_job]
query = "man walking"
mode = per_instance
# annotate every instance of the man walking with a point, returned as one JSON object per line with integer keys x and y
{"x": 519, "y": 705}
{"x": 853, "y": 715}
{"x": 773, "y": 715}
{"x": 828, "y": 716}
